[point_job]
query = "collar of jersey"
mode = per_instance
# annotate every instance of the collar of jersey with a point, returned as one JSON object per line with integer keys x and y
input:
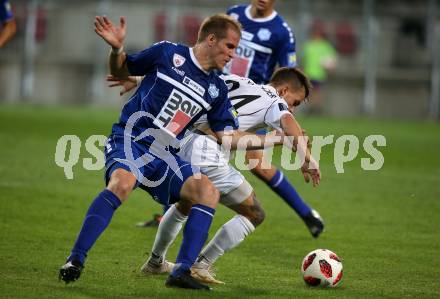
{"x": 247, "y": 12}
{"x": 195, "y": 61}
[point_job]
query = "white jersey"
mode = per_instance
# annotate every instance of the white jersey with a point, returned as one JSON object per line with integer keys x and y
{"x": 257, "y": 106}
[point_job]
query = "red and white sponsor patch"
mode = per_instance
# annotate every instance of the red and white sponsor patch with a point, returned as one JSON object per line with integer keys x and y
{"x": 176, "y": 113}
{"x": 241, "y": 63}
{"x": 239, "y": 66}
{"x": 178, "y": 60}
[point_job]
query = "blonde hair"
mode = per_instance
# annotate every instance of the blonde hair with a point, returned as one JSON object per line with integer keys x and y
{"x": 218, "y": 25}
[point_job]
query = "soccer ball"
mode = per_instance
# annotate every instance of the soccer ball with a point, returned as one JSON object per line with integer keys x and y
{"x": 322, "y": 267}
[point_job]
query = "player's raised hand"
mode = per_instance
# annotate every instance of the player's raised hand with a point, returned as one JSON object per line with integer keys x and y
{"x": 126, "y": 84}
{"x": 113, "y": 35}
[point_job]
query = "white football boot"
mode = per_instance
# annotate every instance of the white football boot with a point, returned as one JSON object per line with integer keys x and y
{"x": 204, "y": 272}
{"x": 154, "y": 266}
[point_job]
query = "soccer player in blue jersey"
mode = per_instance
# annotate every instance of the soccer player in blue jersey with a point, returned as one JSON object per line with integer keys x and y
{"x": 266, "y": 41}
{"x": 9, "y": 27}
{"x": 180, "y": 85}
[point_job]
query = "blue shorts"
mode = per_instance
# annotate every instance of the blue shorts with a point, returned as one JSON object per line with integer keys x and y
{"x": 161, "y": 178}
{"x": 262, "y": 131}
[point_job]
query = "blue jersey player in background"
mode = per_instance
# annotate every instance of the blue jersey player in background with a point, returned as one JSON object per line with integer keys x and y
{"x": 179, "y": 86}
{"x": 8, "y": 25}
{"x": 266, "y": 41}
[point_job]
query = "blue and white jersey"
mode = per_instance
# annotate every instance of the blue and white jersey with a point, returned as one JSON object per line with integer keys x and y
{"x": 175, "y": 92}
{"x": 264, "y": 43}
{"x": 5, "y": 11}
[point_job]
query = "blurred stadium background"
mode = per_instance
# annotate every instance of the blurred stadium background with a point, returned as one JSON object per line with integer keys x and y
{"x": 388, "y": 63}
{"x": 383, "y": 223}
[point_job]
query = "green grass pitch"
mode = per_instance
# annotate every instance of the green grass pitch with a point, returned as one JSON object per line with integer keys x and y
{"x": 384, "y": 224}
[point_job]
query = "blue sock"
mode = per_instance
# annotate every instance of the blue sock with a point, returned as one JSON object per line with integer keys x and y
{"x": 287, "y": 192}
{"x": 97, "y": 218}
{"x": 194, "y": 236}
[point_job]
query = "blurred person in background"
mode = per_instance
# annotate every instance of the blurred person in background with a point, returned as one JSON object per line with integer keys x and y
{"x": 8, "y": 26}
{"x": 318, "y": 59}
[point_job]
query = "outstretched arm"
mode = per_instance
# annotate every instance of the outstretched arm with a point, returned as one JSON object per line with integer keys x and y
{"x": 127, "y": 84}
{"x": 310, "y": 168}
{"x": 236, "y": 139}
{"x": 114, "y": 36}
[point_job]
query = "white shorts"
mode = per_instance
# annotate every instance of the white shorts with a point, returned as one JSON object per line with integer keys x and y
{"x": 203, "y": 151}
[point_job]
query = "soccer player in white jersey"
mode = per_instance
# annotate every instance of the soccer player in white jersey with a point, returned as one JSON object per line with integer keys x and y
{"x": 256, "y": 105}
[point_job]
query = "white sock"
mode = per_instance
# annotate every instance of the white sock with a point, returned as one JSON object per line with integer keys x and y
{"x": 169, "y": 227}
{"x": 227, "y": 237}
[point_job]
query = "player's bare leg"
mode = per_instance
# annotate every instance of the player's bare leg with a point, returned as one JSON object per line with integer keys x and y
{"x": 121, "y": 183}
{"x": 280, "y": 185}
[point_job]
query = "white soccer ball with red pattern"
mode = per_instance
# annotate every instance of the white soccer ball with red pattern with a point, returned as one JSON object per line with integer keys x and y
{"x": 322, "y": 267}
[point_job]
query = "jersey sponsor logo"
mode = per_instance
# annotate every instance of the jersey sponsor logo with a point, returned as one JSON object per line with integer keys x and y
{"x": 179, "y": 72}
{"x": 246, "y": 35}
{"x": 282, "y": 107}
{"x": 241, "y": 63}
{"x": 244, "y": 58}
{"x": 176, "y": 113}
{"x": 185, "y": 89}
{"x": 213, "y": 91}
{"x": 264, "y": 34}
{"x": 194, "y": 86}
{"x": 178, "y": 60}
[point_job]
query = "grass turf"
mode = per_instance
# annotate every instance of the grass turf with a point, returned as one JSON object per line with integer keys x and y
{"x": 384, "y": 224}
